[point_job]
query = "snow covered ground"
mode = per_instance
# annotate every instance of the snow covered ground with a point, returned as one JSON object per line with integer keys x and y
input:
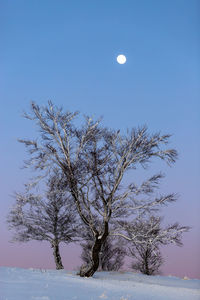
{"x": 34, "y": 284}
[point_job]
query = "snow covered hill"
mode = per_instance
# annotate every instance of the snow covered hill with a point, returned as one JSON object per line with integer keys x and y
{"x": 34, "y": 284}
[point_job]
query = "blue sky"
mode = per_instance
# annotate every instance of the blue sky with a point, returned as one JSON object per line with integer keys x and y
{"x": 66, "y": 51}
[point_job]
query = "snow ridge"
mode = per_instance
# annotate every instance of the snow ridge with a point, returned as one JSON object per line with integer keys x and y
{"x": 36, "y": 284}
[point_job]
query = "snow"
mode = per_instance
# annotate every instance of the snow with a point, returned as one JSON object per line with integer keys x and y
{"x": 35, "y": 284}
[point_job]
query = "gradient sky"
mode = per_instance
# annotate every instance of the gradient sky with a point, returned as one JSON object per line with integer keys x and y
{"x": 66, "y": 51}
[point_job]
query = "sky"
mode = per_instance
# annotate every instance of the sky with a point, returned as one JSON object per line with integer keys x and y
{"x": 65, "y": 51}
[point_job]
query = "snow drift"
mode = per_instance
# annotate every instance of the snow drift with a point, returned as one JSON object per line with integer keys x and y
{"x": 34, "y": 284}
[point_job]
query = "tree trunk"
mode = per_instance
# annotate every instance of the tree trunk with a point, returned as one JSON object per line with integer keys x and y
{"x": 147, "y": 263}
{"x": 57, "y": 257}
{"x": 88, "y": 271}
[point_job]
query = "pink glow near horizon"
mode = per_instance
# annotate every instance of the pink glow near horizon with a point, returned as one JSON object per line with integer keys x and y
{"x": 178, "y": 262}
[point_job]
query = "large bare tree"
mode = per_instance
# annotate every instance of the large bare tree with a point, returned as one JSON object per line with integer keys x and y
{"x": 94, "y": 161}
{"x": 50, "y": 217}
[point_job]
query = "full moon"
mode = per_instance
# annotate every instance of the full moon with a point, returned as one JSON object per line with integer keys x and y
{"x": 121, "y": 59}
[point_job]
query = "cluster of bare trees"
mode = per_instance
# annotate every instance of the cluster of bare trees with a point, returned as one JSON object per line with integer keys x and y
{"x": 88, "y": 197}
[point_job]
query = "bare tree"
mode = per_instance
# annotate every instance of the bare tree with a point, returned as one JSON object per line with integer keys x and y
{"x": 147, "y": 259}
{"x": 146, "y": 237}
{"x": 50, "y": 218}
{"x": 94, "y": 160}
{"x": 111, "y": 256}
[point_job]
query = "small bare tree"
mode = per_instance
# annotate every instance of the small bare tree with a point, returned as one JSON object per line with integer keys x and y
{"x": 94, "y": 161}
{"x": 146, "y": 237}
{"x": 147, "y": 259}
{"x": 50, "y": 218}
{"x": 111, "y": 256}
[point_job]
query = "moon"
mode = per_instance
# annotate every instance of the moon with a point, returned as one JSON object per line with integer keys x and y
{"x": 121, "y": 59}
